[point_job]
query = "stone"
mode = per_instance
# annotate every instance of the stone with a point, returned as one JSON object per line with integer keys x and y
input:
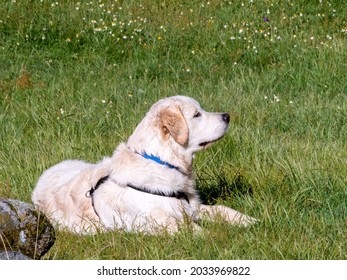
{"x": 24, "y": 230}
{"x": 10, "y": 255}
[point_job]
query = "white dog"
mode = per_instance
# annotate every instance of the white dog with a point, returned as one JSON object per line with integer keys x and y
{"x": 147, "y": 185}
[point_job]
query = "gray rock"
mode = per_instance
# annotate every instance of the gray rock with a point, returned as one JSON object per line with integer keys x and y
{"x": 24, "y": 230}
{"x": 9, "y": 255}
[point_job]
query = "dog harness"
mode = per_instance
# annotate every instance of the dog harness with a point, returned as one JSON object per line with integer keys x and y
{"x": 98, "y": 184}
{"x": 178, "y": 195}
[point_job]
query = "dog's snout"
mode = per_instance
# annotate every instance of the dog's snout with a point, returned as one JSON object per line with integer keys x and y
{"x": 226, "y": 117}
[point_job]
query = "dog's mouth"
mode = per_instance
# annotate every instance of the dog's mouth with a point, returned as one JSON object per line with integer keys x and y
{"x": 207, "y": 144}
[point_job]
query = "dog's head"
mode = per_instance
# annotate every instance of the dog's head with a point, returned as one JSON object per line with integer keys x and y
{"x": 176, "y": 127}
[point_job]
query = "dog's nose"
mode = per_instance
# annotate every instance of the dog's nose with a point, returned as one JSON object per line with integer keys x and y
{"x": 226, "y": 117}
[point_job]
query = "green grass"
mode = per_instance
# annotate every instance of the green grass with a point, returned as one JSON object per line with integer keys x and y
{"x": 75, "y": 79}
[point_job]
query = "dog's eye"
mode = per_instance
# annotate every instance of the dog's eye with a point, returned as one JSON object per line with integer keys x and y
{"x": 197, "y": 114}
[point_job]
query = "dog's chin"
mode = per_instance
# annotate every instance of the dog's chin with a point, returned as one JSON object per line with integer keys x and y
{"x": 206, "y": 144}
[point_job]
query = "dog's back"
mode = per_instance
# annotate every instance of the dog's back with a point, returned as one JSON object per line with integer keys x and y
{"x": 59, "y": 195}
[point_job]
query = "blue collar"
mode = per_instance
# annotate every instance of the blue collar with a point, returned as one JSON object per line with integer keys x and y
{"x": 158, "y": 160}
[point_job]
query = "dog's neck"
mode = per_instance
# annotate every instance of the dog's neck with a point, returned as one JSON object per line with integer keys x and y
{"x": 128, "y": 167}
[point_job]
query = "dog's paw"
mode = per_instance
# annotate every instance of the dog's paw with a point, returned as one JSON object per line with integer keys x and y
{"x": 244, "y": 220}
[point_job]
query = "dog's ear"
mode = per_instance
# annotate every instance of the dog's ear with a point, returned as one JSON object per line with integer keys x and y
{"x": 172, "y": 122}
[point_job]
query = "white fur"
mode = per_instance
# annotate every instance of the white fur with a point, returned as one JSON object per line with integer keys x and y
{"x": 173, "y": 130}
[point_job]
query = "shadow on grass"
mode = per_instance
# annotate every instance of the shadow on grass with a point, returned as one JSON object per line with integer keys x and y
{"x": 219, "y": 187}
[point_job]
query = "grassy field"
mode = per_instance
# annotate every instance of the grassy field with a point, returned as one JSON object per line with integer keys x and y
{"x": 76, "y": 78}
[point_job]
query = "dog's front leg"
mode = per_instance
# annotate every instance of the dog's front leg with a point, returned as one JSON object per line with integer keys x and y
{"x": 230, "y": 215}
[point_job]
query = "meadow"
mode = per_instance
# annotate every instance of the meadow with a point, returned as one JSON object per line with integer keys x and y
{"x": 77, "y": 77}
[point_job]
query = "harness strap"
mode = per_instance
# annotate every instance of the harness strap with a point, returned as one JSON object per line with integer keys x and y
{"x": 178, "y": 195}
{"x": 97, "y": 185}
